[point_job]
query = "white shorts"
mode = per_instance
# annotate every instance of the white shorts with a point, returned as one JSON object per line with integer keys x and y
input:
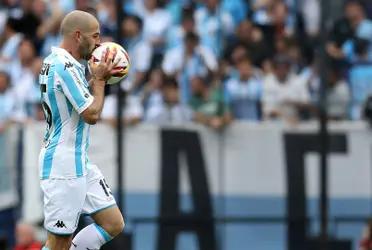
{"x": 66, "y": 199}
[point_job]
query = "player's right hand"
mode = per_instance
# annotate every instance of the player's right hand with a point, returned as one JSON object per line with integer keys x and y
{"x": 105, "y": 68}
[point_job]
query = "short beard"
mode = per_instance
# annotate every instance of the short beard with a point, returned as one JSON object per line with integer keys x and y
{"x": 84, "y": 50}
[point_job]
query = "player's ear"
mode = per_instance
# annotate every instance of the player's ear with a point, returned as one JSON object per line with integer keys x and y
{"x": 77, "y": 35}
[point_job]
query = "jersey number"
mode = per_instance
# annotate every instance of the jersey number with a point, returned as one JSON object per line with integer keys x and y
{"x": 47, "y": 114}
{"x": 105, "y": 187}
{"x": 45, "y": 69}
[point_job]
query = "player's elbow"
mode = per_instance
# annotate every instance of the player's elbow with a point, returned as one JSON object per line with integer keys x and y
{"x": 91, "y": 119}
{"x": 90, "y": 116}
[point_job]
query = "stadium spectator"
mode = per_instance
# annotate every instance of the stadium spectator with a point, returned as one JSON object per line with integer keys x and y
{"x": 24, "y": 86}
{"x": 244, "y": 92}
{"x": 151, "y": 93}
{"x": 284, "y": 94}
{"x": 156, "y": 23}
{"x": 170, "y": 110}
{"x": 355, "y": 25}
{"x": 214, "y": 25}
{"x": 360, "y": 75}
{"x": 25, "y": 238}
{"x": 48, "y": 32}
{"x": 209, "y": 104}
{"x": 187, "y": 61}
{"x": 139, "y": 50}
{"x": 338, "y": 95}
{"x": 176, "y": 35}
{"x": 281, "y": 19}
{"x": 270, "y": 27}
{"x": 361, "y": 26}
{"x": 28, "y": 20}
{"x": 251, "y": 38}
{"x": 106, "y": 13}
{"x": 237, "y": 54}
{"x": 11, "y": 38}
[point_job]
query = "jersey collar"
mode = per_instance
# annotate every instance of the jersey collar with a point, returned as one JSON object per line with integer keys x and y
{"x": 61, "y": 51}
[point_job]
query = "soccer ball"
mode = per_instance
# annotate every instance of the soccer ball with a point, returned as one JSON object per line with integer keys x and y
{"x": 122, "y": 56}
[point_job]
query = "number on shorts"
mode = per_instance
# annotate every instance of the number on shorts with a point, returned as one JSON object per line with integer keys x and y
{"x": 105, "y": 187}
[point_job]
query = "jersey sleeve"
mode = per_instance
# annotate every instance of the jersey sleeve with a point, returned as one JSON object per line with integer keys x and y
{"x": 74, "y": 87}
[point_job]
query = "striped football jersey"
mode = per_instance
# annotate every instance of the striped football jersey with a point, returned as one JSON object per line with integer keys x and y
{"x": 64, "y": 95}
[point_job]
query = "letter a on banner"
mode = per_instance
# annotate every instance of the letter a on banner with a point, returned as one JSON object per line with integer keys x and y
{"x": 172, "y": 220}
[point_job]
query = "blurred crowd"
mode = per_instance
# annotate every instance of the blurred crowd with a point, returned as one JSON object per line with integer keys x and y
{"x": 206, "y": 61}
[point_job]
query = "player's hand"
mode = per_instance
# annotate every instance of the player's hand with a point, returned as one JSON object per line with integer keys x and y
{"x": 106, "y": 67}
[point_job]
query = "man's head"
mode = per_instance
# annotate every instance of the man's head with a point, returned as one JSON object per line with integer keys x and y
{"x": 82, "y": 29}
{"x": 279, "y": 12}
{"x": 245, "y": 68}
{"x": 188, "y": 22}
{"x": 244, "y": 31}
{"x": 170, "y": 91}
{"x": 282, "y": 66}
{"x": 131, "y": 26}
{"x": 354, "y": 12}
{"x": 26, "y": 52}
{"x": 199, "y": 86}
{"x": 151, "y": 4}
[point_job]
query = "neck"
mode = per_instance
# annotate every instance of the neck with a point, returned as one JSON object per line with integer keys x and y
{"x": 70, "y": 49}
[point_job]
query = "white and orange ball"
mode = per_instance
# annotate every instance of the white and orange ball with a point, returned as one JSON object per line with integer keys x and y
{"x": 122, "y": 57}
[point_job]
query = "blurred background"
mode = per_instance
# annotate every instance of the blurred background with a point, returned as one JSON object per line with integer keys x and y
{"x": 242, "y": 124}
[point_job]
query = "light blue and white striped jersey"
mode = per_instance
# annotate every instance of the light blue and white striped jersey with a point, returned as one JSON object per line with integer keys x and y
{"x": 65, "y": 95}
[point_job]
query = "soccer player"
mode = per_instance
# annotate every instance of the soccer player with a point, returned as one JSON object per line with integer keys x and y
{"x": 70, "y": 183}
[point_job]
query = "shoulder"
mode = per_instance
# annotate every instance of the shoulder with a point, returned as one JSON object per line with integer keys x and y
{"x": 57, "y": 62}
{"x": 62, "y": 63}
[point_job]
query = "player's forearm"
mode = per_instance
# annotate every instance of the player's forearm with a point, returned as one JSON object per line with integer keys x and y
{"x": 92, "y": 114}
{"x": 98, "y": 92}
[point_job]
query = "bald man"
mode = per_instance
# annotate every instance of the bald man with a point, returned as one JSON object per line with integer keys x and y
{"x": 71, "y": 184}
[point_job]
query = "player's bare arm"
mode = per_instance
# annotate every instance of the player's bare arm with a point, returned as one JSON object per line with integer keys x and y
{"x": 100, "y": 73}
